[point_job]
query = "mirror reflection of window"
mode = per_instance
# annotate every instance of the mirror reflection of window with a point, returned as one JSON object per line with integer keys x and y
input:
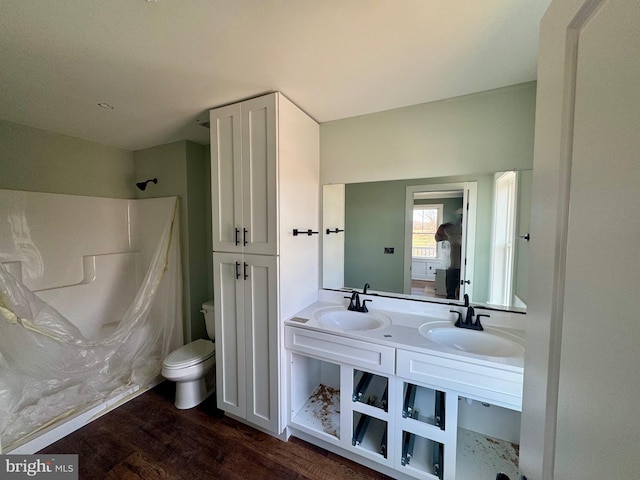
{"x": 504, "y": 232}
{"x": 426, "y": 219}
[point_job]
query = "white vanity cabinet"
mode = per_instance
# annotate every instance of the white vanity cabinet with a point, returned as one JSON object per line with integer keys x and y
{"x": 340, "y": 391}
{"x": 432, "y": 390}
{"x": 264, "y": 184}
{"x": 402, "y": 411}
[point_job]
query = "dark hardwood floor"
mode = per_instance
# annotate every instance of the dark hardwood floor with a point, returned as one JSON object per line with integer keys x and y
{"x": 148, "y": 438}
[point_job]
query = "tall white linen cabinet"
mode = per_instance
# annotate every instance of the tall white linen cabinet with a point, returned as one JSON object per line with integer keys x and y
{"x": 264, "y": 184}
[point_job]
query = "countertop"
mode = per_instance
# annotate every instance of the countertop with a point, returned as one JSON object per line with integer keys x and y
{"x": 403, "y": 333}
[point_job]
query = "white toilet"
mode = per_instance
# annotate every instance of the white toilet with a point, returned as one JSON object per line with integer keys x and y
{"x": 192, "y": 366}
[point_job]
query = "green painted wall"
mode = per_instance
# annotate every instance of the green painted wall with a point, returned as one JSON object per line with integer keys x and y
{"x": 374, "y": 219}
{"x": 483, "y": 132}
{"x": 40, "y": 161}
{"x": 182, "y": 170}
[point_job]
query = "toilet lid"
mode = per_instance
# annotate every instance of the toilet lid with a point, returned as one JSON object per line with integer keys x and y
{"x": 190, "y": 354}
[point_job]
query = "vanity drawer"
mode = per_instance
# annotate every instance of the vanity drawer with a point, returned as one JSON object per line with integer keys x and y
{"x": 494, "y": 385}
{"x": 377, "y": 358}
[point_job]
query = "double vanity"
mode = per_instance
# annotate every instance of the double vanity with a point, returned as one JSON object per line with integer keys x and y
{"x": 407, "y": 394}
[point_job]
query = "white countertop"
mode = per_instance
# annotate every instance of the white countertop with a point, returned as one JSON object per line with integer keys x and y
{"x": 403, "y": 333}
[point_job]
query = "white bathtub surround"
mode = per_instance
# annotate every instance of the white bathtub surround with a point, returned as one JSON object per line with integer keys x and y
{"x": 91, "y": 306}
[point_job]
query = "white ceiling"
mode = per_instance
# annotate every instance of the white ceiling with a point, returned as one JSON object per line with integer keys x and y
{"x": 162, "y": 64}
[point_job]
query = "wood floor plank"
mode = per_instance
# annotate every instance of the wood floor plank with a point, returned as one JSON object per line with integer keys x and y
{"x": 149, "y": 439}
{"x": 136, "y": 467}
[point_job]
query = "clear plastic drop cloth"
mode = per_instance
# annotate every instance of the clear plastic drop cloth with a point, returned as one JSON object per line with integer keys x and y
{"x": 49, "y": 371}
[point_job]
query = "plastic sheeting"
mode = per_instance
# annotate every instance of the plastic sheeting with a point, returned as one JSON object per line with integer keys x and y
{"x": 49, "y": 371}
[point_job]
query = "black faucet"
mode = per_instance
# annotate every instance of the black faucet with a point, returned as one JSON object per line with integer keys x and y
{"x": 354, "y": 302}
{"x": 364, "y": 308}
{"x": 470, "y": 311}
{"x": 468, "y": 322}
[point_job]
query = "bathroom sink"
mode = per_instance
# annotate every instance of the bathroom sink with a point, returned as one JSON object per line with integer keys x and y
{"x": 340, "y": 317}
{"x": 471, "y": 341}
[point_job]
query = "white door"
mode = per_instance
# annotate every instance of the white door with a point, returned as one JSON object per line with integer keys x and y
{"x": 230, "y": 333}
{"x": 259, "y": 168}
{"x": 226, "y": 178}
{"x": 259, "y": 273}
{"x": 580, "y": 415}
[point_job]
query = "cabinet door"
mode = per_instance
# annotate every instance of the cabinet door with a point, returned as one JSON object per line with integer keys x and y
{"x": 259, "y": 166}
{"x": 262, "y": 346}
{"x": 226, "y": 178}
{"x": 228, "y": 288}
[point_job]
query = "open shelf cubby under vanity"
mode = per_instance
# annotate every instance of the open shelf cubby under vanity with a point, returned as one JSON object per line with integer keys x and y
{"x": 315, "y": 397}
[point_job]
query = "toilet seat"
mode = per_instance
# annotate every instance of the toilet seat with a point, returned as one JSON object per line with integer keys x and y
{"x": 190, "y": 354}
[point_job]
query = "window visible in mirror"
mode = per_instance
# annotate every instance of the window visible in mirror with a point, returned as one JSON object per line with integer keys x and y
{"x": 426, "y": 219}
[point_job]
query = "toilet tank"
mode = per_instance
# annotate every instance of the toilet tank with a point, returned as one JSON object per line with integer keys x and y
{"x": 209, "y": 321}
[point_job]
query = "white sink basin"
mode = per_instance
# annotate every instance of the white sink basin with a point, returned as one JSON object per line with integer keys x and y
{"x": 473, "y": 341}
{"x": 340, "y": 317}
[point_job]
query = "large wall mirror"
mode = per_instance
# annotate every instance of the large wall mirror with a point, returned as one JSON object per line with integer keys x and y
{"x": 431, "y": 238}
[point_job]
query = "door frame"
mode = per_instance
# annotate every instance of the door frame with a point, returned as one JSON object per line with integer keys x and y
{"x": 470, "y": 204}
{"x": 555, "y": 110}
